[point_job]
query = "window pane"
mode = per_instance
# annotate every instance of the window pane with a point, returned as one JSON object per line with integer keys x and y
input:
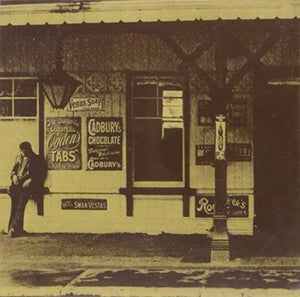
{"x": 5, "y": 88}
{"x": 5, "y": 107}
{"x": 25, "y": 88}
{"x": 172, "y": 111}
{"x": 166, "y": 82}
{"x": 143, "y": 89}
{"x": 157, "y": 151}
{"x": 172, "y": 93}
{"x": 145, "y": 108}
{"x": 25, "y": 107}
{"x": 172, "y": 104}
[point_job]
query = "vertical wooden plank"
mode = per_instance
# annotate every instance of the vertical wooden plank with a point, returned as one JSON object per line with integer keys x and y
{"x": 129, "y": 136}
{"x": 126, "y": 51}
{"x": 186, "y": 118}
{"x": 140, "y": 53}
{"x": 112, "y": 52}
{"x": 48, "y": 51}
{"x": 101, "y": 49}
{"x": 68, "y": 53}
{"x": 41, "y": 120}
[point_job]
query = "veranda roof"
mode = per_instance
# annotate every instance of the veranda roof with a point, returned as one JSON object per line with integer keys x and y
{"x": 34, "y": 12}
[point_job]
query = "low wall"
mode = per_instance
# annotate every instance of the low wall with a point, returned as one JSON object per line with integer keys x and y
{"x": 152, "y": 215}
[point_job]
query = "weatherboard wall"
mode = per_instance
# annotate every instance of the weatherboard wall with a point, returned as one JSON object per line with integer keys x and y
{"x": 101, "y": 62}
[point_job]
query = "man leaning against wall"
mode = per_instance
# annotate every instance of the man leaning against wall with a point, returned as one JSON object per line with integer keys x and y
{"x": 27, "y": 179}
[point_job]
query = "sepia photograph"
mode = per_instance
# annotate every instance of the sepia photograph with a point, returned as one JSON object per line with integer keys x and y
{"x": 150, "y": 148}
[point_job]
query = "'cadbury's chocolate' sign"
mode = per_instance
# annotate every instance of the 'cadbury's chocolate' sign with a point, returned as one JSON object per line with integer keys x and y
{"x": 63, "y": 143}
{"x": 104, "y": 139}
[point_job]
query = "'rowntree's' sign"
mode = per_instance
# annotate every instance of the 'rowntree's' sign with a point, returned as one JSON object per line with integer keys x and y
{"x": 104, "y": 139}
{"x": 236, "y": 206}
{"x": 63, "y": 143}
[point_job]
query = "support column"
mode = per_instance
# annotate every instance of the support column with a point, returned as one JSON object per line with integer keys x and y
{"x": 220, "y": 239}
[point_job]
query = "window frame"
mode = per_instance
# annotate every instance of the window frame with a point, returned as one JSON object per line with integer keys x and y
{"x": 159, "y": 76}
{"x": 13, "y": 98}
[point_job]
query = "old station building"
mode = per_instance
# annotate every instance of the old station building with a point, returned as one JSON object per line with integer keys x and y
{"x": 169, "y": 116}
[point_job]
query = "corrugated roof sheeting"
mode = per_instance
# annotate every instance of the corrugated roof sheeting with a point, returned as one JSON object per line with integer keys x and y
{"x": 114, "y": 11}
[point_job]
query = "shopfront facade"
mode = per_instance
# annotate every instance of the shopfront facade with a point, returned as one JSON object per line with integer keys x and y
{"x": 134, "y": 148}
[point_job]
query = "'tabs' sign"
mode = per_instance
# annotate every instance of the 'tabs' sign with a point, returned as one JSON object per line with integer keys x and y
{"x": 63, "y": 143}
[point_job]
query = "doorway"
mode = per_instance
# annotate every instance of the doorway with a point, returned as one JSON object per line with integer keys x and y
{"x": 277, "y": 154}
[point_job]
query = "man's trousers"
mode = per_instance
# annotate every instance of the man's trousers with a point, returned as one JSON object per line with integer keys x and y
{"x": 19, "y": 198}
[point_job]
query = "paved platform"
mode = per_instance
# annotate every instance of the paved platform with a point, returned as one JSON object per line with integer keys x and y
{"x": 148, "y": 276}
{"x": 146, "y": 281}
{"x": 57, "y": 265}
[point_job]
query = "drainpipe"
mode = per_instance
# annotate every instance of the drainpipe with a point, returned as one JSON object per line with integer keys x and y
{"x": 220, "y": 239}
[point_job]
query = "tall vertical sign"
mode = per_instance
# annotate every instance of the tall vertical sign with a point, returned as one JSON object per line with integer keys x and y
{"x": 63, "y": 143}
{"x": 220, "y": 146}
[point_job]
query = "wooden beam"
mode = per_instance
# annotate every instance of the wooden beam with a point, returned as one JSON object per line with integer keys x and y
{"x": 173, "y": 45}
{"x": 238, "y": 76}
{"x": 212, "y": 84}
{"x": 201, "y": 48}
{"x": 197, "y": 52}
{"x": 248, "y": 53}
{"x": 188, "y": 60}
{"x": 158, "y": 191}
{"x": 40, "y": 197}
{"x": 186, "y": 119}
{"x": 129, "y": 144}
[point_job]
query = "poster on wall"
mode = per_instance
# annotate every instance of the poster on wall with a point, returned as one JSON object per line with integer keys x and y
{"x": 236, "y": 206}
{"x": 63, "y": 143}
{"x": 104, "y": 143}
{"x": 237, "y": 113}
{"x": 84, "y": 204}
{"x": 235, "y": 152}
{"x": 86, "y": 101}
{"x": 240, "y": 152}
{"x": 206, "y": 113}
{"x": 205, "y": 154}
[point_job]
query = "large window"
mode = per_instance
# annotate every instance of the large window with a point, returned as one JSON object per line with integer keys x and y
{"x": 18, "y": 97}
{"x": 157, "y": 129}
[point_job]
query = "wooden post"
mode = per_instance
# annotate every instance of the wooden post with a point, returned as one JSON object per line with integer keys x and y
{"x": 186, "y": 117}
{"x": 129, "y": 137}
{"x": 220, "y": 240}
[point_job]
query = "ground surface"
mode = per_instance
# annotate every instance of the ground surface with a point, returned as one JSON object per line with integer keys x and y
{"x": 189, "y": 248}
{"x": 145, "y": 265}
